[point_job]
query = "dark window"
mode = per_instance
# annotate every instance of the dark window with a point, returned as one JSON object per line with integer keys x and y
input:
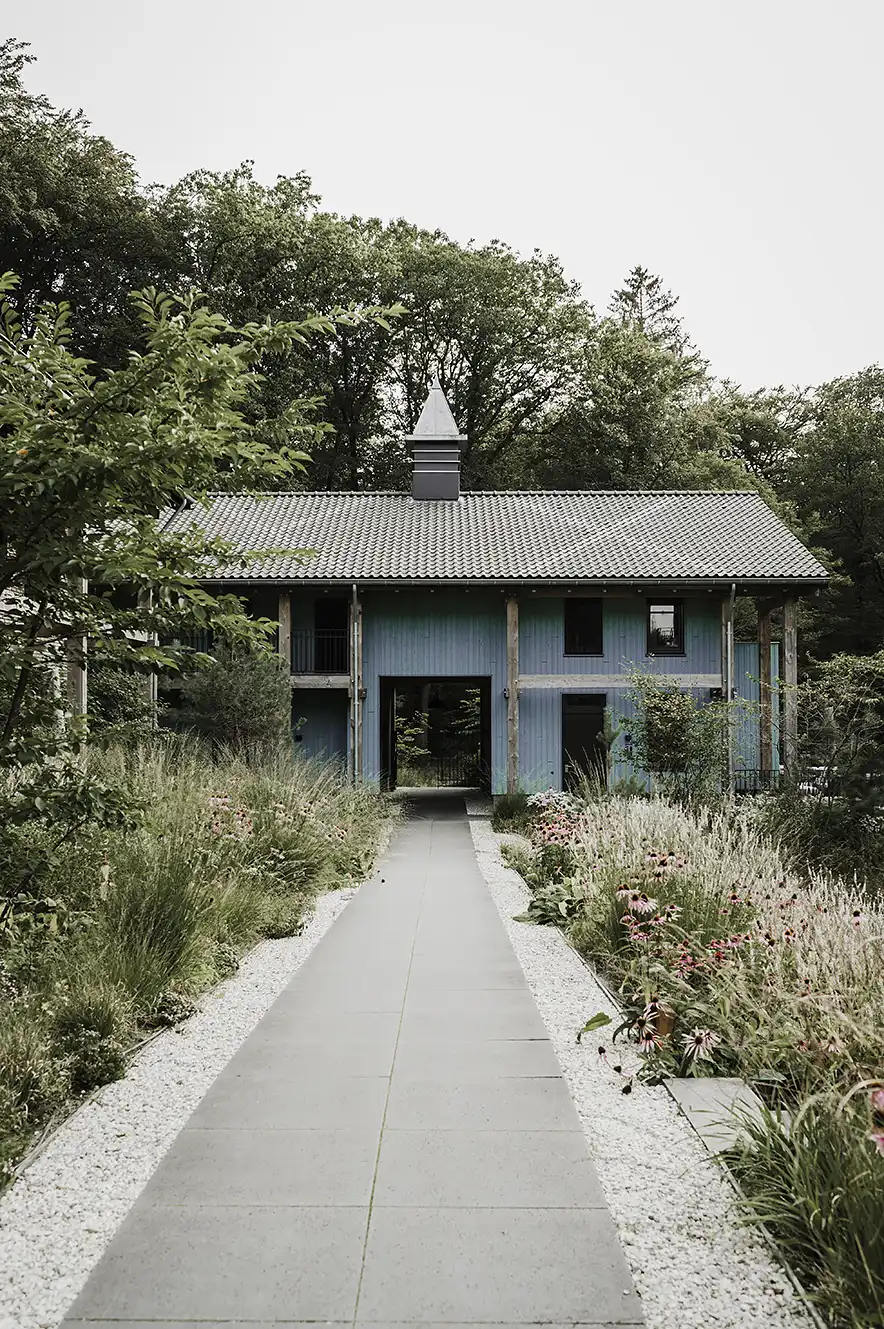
{"x": 583, "y": 627}
{"x": 665, "y": 627}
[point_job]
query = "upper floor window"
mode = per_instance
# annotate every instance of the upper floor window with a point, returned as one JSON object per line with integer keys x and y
{"x": 665, "y": 627}
{"x": 583, "y": 627}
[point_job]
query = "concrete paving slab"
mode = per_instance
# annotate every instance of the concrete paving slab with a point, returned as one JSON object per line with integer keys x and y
{"x": 464, "y": 1061}
{"x": 268, "y": 1101}
{"x": 274, "y": 1054}
{"x": 247, "y": 1166}
{"x": 487, "y": 1001}
{"x": 708, "y": 1101}
{"x": 230, "y": 1263}
{"x": 495, "y": 1264}
{"x": 399, "y": 1117}
{"x": 450, "y": 1026}
{"x": 486, "y": 1169}
{"x": 491, "y": 1105}
{"x": 300, "y": 1023}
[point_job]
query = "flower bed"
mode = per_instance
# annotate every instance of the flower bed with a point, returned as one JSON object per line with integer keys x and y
{"x": 134, "y": 923}
{"x": 727, "y": 963}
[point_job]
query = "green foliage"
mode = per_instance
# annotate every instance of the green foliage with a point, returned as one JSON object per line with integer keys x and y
{"x": 829, "y": 814}
{"x": 676, "y": 738}
{"x": 242, "y": 700}
{"x": 120, "y": 709}
{"x": 511, "y": 812}
{"x": 148, "y": 915}
{"x": 816, "y": 1184}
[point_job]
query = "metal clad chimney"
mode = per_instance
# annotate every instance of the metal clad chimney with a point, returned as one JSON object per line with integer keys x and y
{"x": 435, "y": 450}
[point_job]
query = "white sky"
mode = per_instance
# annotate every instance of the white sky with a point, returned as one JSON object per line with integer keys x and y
{"x": 735, "y": 148}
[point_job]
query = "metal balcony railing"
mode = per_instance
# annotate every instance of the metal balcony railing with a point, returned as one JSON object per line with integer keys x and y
{"x": 320, "y": 651}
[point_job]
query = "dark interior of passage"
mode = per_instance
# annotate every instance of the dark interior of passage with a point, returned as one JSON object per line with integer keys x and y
{"x": 583, "y": 747}
{"x": 436, "y": 733}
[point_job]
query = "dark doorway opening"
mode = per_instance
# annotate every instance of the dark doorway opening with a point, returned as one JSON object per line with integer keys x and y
{"x": 584, "y": 753}
{"x": 436, "y": 733}
{"x": 330, "y": 633}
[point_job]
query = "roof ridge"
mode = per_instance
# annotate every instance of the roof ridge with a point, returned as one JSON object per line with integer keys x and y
{"x": 465, "y": 493}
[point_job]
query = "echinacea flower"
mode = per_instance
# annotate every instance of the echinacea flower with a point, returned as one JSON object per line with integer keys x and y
{"x": 700, "y": 1042}
{"x": 877, "y": 1100}
{"x": 640, "y": 903}
{"x": 877, "y": 1138}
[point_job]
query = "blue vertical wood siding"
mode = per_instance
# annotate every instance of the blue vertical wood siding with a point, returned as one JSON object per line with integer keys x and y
{"x": 433, "y": 634}
{"x": 325, "y": 715}
{"x": 425, "y": 634}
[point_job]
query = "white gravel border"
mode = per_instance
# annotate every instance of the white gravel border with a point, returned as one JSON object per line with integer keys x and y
{"x": 693, "y": 1263}
{"x": 58, "y": 1217}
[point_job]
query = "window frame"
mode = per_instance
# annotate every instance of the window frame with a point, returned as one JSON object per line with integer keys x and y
{"x": 679, "y": 648}
{"x": 566, "y": 641}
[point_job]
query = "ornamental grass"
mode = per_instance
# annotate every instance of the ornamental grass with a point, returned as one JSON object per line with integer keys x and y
{"x": 134, "y": 924}
{"x": 730, "y": 962}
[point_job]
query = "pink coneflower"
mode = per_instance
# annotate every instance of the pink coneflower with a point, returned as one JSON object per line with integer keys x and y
{"x": 671, "y": 911}
{"x": 649, "y": 1041}
{"x": 640, "y": 903}
{"x": 700, "y": 1042}
{"x": 877, "y": 1100}
{"x": 877, "y": 1139}
{"x": 623, "y": 892}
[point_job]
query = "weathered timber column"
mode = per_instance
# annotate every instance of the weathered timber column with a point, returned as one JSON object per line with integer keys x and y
{"x": 151, "y": 681}
{"x": 790, "y": 686}
{"x": 727, "y": 679}
{"x": 284, "y": 636}
{"x": 765, "y": 692}
{"x": 512, "y": 695}
{"x": 360, "y": 690}
{"x": 77, "y": 651}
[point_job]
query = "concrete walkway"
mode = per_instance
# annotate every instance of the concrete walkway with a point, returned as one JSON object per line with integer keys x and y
{"x": 394, "y": 1144}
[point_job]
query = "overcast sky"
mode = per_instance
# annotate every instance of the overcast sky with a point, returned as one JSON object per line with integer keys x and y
{"x": 735, "y": 148}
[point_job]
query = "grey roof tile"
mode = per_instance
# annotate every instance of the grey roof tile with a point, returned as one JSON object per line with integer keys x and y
{"x": 604, "y": 535}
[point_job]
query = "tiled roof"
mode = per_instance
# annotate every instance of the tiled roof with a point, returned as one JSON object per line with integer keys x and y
{"x": 603, "y": 535}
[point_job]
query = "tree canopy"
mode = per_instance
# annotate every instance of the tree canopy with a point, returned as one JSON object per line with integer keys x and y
{"x": 550, "y": 392}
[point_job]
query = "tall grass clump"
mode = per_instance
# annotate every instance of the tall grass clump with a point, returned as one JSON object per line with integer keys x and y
{"x": 730, "y": 960}
{"x": 129, "y": 925}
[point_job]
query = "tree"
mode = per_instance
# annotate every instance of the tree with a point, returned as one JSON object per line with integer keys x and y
{"x": 836, "y": 481}
{"x": 637, "y": 420}
{"x": 91, "y": 464}
{"x": 73, "y": 223}
{"x": 644, "y": 305}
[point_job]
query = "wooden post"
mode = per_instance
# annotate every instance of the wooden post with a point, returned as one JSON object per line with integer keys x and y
{"x": 360, "y": 690}
{"x": 512, "y": 695}
{"x": 77, "y": 666}
{"x": 765, "y": 692}
{"x": 284, "y": 636}
{"x": 790, "y": 686}
{"x": 727, "y": 679}
{"x": 151, "y": 688}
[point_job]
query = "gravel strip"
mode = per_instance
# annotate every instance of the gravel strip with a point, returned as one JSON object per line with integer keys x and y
{"x": 694, "y": 1265}
{"x": 58, "y": 1217}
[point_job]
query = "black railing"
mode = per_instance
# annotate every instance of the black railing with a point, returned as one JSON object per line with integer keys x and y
{"x": 453, "y": 770}
{"x": 755, "y": 781}
{"x": 320, "y": 651}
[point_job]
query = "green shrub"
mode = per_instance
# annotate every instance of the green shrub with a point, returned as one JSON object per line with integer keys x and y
{"x": 511, "y": 812}
{"x": 226, "y": 850}
{"x": 242, "y": 700}
{"x": 33, "y": 1079}
{"x": 120, "y": 707}
{"x": 169, "y": 1009}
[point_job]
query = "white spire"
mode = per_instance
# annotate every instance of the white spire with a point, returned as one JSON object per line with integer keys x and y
{"x": 436, "y": 420}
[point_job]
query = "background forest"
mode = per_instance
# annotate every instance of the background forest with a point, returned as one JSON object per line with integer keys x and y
{"x": 551, "y": 392}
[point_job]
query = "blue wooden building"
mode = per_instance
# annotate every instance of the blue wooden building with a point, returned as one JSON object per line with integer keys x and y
{"x": 531, "y": 607}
